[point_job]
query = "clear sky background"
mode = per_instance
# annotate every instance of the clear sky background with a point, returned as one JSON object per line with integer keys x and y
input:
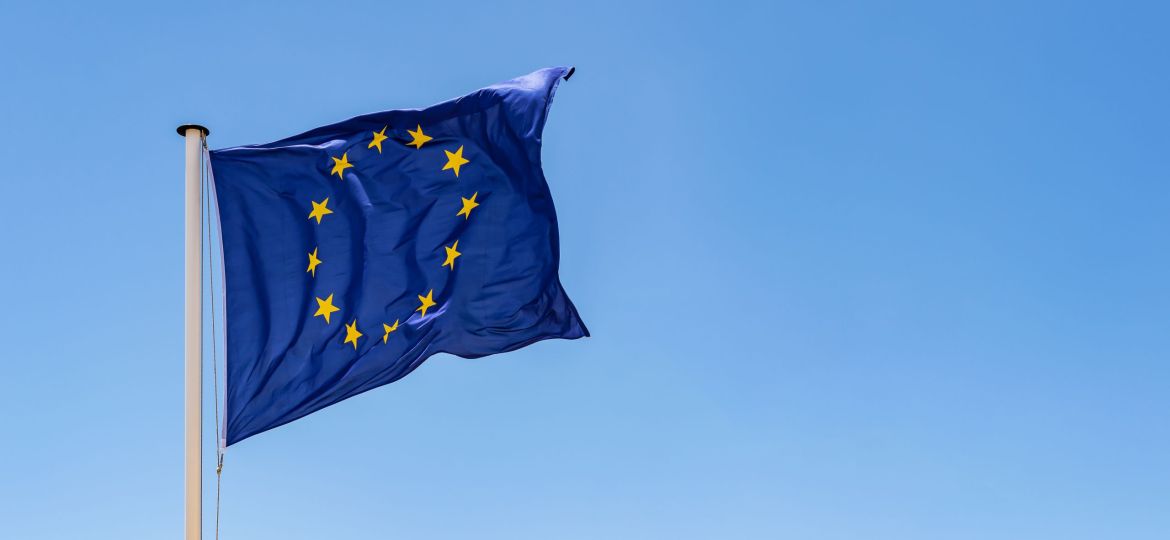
{"x": 891, "y": 270}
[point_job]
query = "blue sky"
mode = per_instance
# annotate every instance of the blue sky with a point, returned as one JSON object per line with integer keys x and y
{"x": 853, "y": 270}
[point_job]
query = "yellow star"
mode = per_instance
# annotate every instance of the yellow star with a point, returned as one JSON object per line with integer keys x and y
{"x": 379, "y": 136}
{"x": 427, "y": 302}
{"x": 313, "y": 262}
{"x": 452, "y": 254}
{"x": 340, "y": 165}
{"x": 352, "y": 334}
{"x": 320, "y": 209}
{"x": 468, "y": 204}
{"x": 388, "y": 330}
{"x": 419, "y": 138}
{"x": 325, "y": 307}
{"x": 455, "y": 160}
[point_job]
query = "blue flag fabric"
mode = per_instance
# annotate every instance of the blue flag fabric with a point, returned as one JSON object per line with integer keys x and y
{"x": 355, "y": 251}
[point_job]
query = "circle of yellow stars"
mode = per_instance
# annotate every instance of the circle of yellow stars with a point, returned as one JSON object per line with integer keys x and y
{"x": 455, "y": 161}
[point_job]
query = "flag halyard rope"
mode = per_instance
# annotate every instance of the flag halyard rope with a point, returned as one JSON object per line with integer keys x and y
{"x": 204, "y": 166}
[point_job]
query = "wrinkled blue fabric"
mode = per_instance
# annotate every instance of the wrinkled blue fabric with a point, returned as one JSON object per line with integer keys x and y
{"x": 394, "y": 212}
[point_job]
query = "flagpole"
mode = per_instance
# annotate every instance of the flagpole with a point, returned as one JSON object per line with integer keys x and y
{"x": 193, "y": 334}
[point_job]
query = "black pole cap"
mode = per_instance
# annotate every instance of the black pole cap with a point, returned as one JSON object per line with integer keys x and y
{"x": 572, "y": 70}
{"x": 183, "y": 129}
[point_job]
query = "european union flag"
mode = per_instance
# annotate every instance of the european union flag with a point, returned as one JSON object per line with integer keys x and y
{"x": 355, "y": 251}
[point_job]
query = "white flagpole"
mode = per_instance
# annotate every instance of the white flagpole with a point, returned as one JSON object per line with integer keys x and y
{"x": 193, "y": 334}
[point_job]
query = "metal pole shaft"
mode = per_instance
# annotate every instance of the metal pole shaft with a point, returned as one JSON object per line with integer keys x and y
{"x": 193, "y": 338}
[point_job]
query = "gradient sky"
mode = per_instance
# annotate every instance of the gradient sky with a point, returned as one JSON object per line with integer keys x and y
{"x": 890, "y": 270}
